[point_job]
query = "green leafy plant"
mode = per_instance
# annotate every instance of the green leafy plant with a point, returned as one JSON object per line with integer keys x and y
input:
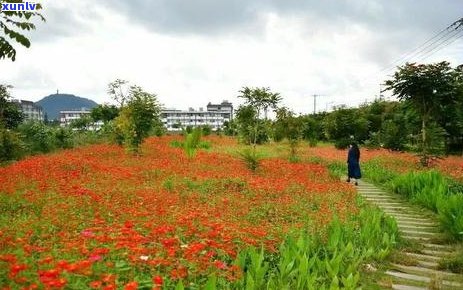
{"x": 251, "y": 158}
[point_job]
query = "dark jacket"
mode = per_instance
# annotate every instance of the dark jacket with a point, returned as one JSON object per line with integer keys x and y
{"x": 353, "y": 166}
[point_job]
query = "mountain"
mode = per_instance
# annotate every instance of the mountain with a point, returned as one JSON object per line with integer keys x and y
{"x": 52, "y": 104}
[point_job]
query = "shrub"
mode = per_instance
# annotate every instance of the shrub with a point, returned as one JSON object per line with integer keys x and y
{"x": 63, "y": 138}
{"x": 192, "y": 141}
{"x": 37, "y": 137}
{"x": 206, "y": 130}
{"x": 11, "y": 147}
{"x": 251, "y": 158}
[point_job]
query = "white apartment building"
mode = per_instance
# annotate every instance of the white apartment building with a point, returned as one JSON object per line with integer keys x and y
{"x": 68, "y": 116}
{"x": 30, "y": 110}
{"x": 214, "y": 116}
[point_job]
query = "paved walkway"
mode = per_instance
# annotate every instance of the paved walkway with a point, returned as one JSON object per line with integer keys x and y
{"x": 418, "y": 270}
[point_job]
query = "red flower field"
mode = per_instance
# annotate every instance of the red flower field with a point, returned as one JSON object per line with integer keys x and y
{"x": 96, "y": 217}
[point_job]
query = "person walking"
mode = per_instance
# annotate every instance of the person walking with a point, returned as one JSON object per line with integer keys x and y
{"x": 353, "y": 163}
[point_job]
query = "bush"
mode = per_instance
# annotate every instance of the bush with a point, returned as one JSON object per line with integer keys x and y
{"x": 192, "y": 141}
{"x": 37, "y": 137}
{"x": 63, "y": 138}
{"x": 189, "y": 129}
{"x": 206, "y": 130}
{"x": 11, "y": 147}
{"x": 251, "y": 158}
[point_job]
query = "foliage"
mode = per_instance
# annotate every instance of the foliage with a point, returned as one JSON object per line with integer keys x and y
{"x": 426, "y": 88}
{"x": 104, "y": 113}
{"x": 249, "y": 125}
{"x": 90, "y": 210}
{"x": 192, "y": 141}
{"x": 82, "y": 124}
{"x": 289, "y": 127}
{"x": 312, "y": 128}
{"x": 10, "y": 113}
{"x": 206, "y": 130}
{"x": 257, "y": 101}
{"x": 431, "y": 189}
{"x": 63, "y": 138}
{"x": 11, "y": 22}
{"x": 119, "y": 91}
{"x": 138, "y": 117}
{"x": 345, "y": 124}
{"x": 37, "y": 137}
{"x": 251, "y": 158}
{"x": 11, "y": 147}
{"x": 314, "y": 262}
{"x": 230, "y": 128}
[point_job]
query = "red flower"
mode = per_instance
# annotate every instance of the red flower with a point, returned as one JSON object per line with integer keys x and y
{"x": 131, "y": 286}
{"x": 157, "y": 280}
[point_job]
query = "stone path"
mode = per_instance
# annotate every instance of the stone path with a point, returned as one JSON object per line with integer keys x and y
{"x": 418, "y": 270}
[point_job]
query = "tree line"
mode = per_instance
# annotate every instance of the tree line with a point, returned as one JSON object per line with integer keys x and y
{"x": 427, "y": 116}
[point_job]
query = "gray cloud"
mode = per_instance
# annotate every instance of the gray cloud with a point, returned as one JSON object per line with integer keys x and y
{"x": 396, "y": 26}
{"x": 188, "y": 17}
{"x": 62, "y": 21}
{"x": 211, "y": 16}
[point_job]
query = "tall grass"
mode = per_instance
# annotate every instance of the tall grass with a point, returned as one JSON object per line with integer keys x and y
{"x": 329, "y": 259}
{"x": 436, "y": 192}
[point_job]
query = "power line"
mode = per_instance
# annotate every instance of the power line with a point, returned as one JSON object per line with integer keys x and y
{"x": 449, "y": 41}
{"x": 428, "y": 45}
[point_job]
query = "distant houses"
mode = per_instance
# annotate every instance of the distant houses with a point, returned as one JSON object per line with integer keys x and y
{"x": 66, "y": 117}
{"x": 214, "y": 116}
{"x": 30, "y": 110}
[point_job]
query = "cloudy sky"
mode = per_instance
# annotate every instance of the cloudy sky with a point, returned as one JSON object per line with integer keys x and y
{"x": 191, "y": 52}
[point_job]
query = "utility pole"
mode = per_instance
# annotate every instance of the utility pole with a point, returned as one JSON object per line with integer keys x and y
{"x": 314, "y": 103}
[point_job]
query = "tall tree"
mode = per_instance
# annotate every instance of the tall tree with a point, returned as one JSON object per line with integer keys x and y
{"x": 426, "y": 87}
{"x": 260, "y": 99}
{"x": 137, "y": 117}
{"x": 290, "y": 127}
{"x": 12, "y": 22}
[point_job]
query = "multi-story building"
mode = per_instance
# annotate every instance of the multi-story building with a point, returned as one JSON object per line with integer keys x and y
{"x": 214, "y": 116}
{"x": 30, "y": 110}
{"x": 68, "y": 116}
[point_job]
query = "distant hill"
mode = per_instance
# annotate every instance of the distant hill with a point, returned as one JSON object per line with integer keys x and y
{"x": 52, "y": 104}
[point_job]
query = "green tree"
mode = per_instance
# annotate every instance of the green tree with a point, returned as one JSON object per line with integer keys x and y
{"x": 10, "y": 113}
{"x": 104, "y": 113}
{"x": 230, "y": 128}
{"x": 426, "y": 87}
{"x": 312, "y": 128}
{"x": 11, "y": 23}
{"x": 290, "y": 127}
{"x": 257, "y": 101}
{"x": 137, "y": 118}
{"x": 82, "y": 124}
{"x": 345, "y": 124}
